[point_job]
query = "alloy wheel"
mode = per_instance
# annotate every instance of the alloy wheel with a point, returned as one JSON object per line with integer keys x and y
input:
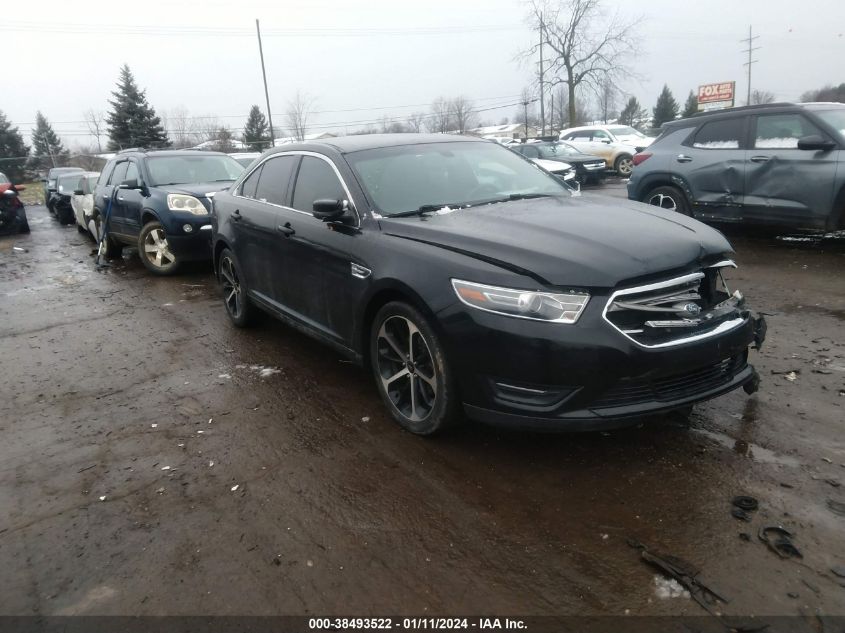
{"x": 406, "y": 368}
{"x": 232, "y": 290}
{"x": 157, "y": 249}
{"x": 625, "y": 167}
{"x": 664, "y": 202}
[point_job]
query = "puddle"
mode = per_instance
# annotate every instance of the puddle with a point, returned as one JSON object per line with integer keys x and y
{"x": 747, "y": 449}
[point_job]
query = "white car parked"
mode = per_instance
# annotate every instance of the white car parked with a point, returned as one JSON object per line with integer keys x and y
{"x": 82, "y": 203}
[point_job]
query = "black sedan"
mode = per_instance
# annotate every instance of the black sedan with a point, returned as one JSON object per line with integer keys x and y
{"x": 469, "y": 280}
{"x": 588, "y": 169}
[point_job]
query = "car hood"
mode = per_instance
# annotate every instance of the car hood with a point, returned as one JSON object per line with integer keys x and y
{"x": 594, "y": 242}
{"x": 200, "y": 189}
{"x": 636, "y": 141}
{"x": 578, "y": 158}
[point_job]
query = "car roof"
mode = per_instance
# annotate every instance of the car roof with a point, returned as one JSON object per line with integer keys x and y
{"x": 167, "y": 152}
{"x": 785, "y": 106}
{"x": 59, "y": 170}
{"x": 360, "y": 142}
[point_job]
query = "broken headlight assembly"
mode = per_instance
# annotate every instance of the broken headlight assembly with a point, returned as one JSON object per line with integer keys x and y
{"x": 524, "y": 304}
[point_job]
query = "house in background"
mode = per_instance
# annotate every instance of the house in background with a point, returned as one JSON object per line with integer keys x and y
{"x": 510, "y": 130}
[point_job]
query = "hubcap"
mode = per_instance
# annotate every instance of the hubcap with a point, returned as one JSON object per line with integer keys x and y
{"x": 231, "y": 287}
{"x": 626, "y": 166}
{"x": 157, "y": 249}
{"x": 406, "y": 368}
{"x": 664, "y": 202}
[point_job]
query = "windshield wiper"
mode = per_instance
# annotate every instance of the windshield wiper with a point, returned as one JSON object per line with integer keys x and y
{"x": 426, "y": 208}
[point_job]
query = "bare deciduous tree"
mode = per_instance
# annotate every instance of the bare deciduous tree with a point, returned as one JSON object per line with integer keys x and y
{"x": 415, "y": 122}
{"x": 181, "y": 127}
{"x": 297, "y": 113}
{"x": 759, "y": 97}
{"x": 586, "y": 45}
{"x": 96, "y": 124}
{"x": 606, "y": 98}
{"x": 440, "y": 118}
{"x": 560, "y": 113}
{"x": 462, "y": 113}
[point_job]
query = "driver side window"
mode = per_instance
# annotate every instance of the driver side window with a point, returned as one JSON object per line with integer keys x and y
{"x": 316, "y": 181}
{"x": 119, "y": 173}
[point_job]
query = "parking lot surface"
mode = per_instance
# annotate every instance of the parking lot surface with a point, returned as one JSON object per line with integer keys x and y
{"x": 155, "y": 460}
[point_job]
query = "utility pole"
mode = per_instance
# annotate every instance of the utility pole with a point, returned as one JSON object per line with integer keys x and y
{"x": 551, "y": 113}
{"x": 542, "y": 93}
{"x": 266, "y": 92}
{"x": 750, "y": 50}
{"x": 525, "y": 114}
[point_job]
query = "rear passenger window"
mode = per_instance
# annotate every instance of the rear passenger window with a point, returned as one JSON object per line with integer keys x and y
{"x": 274, "y": 179}
{"x": 250, "y": 185}
{"x": 724, "y": 134}
{"x": 782, "y": 131}
{"x": 316, "y": 181}
{"x": 107, "y": 171}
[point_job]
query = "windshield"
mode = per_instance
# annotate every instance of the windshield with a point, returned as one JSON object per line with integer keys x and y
{"x": 834, "y": 118}
{"x": 68, "y": 184}
{"x": 246, "y": 161}
{"x": 624, "y": 130}
{"x": 178, "y": 170}
{"x": 3, "y": 179}
{"x": 557, "y": 150}
{"x": 402, "y": 179}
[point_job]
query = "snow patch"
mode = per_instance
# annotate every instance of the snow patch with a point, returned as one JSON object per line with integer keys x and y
{"x": 665, "y": 588}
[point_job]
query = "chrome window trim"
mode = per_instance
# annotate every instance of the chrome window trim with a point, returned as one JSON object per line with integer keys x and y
{"x": 676, "y": 281}
{"x": 297, "y": 152}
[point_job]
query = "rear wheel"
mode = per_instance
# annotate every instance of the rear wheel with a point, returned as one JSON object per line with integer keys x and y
{"x": 624, "y": 165}
{"x": 23, "y": 226}
{"x": 669, "y": 198}
{"x": 155, "y": 250}
{"x": 238, "y": 307}
{"x": 412, "y": 373}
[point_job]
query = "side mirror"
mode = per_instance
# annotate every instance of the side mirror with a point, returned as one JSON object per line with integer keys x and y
{"x": 8, "y": 194}
{"x": 815, "y": 142}
{"x": 328, "y": 210}
{"x": 605, "y": 141}
{"x": 130, "y": 184}
{"x": 78, "y": 192}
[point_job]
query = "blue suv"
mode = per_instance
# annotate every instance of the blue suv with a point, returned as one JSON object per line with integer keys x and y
{"x": 161, "y": 203}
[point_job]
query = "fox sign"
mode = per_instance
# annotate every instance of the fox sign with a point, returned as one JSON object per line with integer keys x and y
{"x": 721, "y": 94}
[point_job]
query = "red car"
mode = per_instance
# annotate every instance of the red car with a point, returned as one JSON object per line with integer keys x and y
{"x": 12, "y": 212}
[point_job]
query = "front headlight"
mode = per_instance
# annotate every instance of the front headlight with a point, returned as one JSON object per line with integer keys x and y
{"x": 182, "y": 202}
{"x": 524, "y": 304}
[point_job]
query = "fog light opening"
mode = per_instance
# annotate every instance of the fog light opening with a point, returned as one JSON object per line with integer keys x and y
{"x": 188, "y": 228}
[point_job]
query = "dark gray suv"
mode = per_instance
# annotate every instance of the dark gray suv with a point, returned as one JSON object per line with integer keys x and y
{"x": 778, "y": 164}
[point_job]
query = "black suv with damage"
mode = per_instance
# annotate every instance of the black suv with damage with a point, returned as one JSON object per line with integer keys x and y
{"x": 779, "y": 164}
{"x": 469, "y": 280}
{"x": 160, "y": 202}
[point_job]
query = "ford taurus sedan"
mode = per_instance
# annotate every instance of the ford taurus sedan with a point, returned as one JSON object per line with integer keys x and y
{"x": 470, "y": 281}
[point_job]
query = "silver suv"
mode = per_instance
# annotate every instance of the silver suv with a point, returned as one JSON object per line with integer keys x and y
{"x": 778, "y": 164}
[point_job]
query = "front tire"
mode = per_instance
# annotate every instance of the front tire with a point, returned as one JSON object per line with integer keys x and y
{"x": 413, "y": 376}
{"x": 155, "y": 250}
{"x": 624, "y": 165}
{"x": 669, "y": 198}
{"x": 238, "y": 306}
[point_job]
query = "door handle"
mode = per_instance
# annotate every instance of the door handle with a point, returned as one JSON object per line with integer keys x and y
{"x": 760, "y": 159}
{"x": 236, "y": 215}
{"x": 286, "y": 229}
{"x": 683, "y": 158}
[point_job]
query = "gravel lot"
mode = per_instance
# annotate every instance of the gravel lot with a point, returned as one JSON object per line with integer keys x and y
{"x": 155, "y": 460}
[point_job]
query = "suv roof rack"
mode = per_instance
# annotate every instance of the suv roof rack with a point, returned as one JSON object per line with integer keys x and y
{"x": 132, "y": 149}
{"x": 759, "y": 106}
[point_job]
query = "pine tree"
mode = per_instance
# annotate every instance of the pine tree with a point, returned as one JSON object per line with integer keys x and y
{"x": 632, "y": 113}
{"x": 132, "y": 122}
{"x": 47, "y": 148}
{"x": 223, "y": 141}
{"x": 691, "y": 106}
{"x": 666, "y": 108}
{"x": 13, "y": 151}
{"x": 256, "y": 130}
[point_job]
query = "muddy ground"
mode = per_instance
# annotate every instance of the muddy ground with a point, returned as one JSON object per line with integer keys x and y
{"x": 149, "y": 466}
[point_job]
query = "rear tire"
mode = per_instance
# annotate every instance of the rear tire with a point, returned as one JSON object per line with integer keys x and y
{"x": 238, "y": 306}
{"x": 155, "y": 251}
{"x": 669, "y": 198}
{"x": 412, "y": 373}
{"x": 24, "y": 223}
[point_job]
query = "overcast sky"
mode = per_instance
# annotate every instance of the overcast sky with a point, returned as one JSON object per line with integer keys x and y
{"x": 361, "y": 60}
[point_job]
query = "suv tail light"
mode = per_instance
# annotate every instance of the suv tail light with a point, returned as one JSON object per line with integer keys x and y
{"x": 641, "y": 157}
